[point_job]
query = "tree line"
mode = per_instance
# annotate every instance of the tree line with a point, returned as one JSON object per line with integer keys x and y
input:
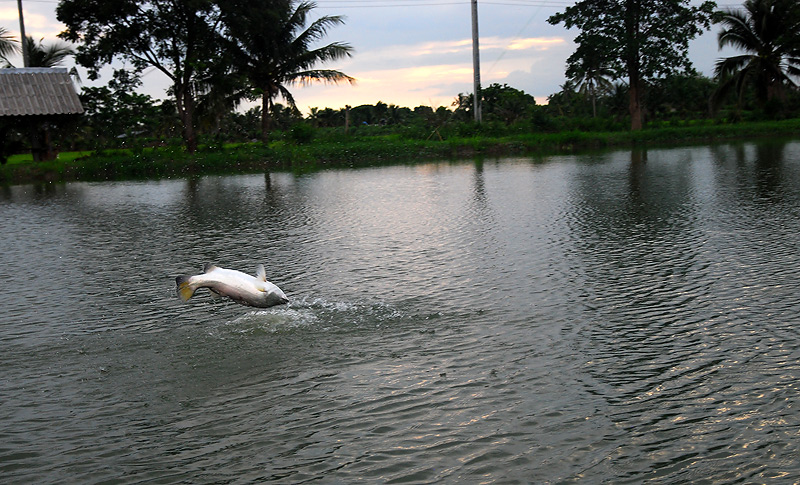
{"x": 216, "y": 53}
{"x": 630, "y": 66}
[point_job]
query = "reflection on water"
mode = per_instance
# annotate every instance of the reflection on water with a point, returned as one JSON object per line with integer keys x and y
{"x": 621, "y": 317}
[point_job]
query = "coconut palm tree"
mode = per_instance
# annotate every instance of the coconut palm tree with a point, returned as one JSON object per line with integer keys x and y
{"x": 8, "y": 45}
{"x": 590, "y": 72}
{"x": 768, "y": 31}
{"x": 41, "y": 55}
{"x": 273, "y": 49}
{"x": 50, "y": 55}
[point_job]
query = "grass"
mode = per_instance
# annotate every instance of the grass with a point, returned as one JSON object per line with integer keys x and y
{"x": 24, "y": 158}
{"x": 354, "y": 151}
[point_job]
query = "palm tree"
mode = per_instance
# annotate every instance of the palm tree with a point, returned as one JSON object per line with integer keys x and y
{"x": 273, "y": 49}
{"x": 590, "y": 72}
{"x": 41, "y": 55}
{"x": 50, "y": 55}
{"x": 8, "y": 45}
{"x": 769, "y": 33}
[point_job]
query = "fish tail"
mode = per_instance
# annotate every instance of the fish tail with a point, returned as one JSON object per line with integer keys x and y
{"x": 185, "y": 290}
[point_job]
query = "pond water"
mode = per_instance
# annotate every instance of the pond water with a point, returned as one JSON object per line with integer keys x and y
{"x": 620, "y": 317}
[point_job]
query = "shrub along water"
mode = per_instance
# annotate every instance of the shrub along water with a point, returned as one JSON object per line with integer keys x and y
{"x": 305, "y": 148}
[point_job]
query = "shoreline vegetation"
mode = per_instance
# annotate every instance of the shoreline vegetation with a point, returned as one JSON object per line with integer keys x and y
{"x": 349, "y": 151}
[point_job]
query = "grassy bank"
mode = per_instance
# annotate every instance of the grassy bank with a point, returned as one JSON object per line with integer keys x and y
{"x": 357, "y": 150}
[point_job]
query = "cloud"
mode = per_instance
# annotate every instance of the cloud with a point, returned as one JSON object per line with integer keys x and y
{"x": 509, "y": 52}
{"x": 37, "y": 25}
{"x": 433, "y": 73}
{"x": 407, "y": 86}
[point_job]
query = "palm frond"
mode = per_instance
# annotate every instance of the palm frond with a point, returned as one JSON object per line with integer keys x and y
{"x": 50, "y": 55}
{"x": 317, "y": 30}
{"x": 327, "y": 76}
{"x": 728, "y": 66}
{"x": 276, "y": 49}
{"x": 8, "y": 45}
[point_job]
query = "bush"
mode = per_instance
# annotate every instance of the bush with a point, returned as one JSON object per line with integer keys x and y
{"x": 301, "y": 133}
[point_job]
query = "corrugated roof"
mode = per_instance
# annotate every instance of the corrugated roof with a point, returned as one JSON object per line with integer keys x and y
{"x": 37, "y": 91}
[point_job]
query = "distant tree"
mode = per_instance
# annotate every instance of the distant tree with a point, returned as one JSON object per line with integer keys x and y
{"x": 178, "y": 37}
{"x": 641, "y": 39}
{"x": 327, "y": 117}
{"x": 769, "y": 33}
{"x": 283, "y": 117}
{"x": 499, "y": 102}
{"x": 681, "y": 95}
{"x": 423, "y": 111}
{"x": 589, "y": 69}
{"x": 313, "y": 117}
{"x": 363, "y": 115}
{"x": 275, "y": 58}
{"x": 441, "y": 116}
{"x": 618, "y": 100}
{"x": 241, "y": 126}
{"x": 504, "y": 103}
{"x": 463, "y": 106}
{"x": 116, "y": 112}
{"x": 567, "y": 102}
{"x": 380, "y": 112}
{"x": 397, "y": 114}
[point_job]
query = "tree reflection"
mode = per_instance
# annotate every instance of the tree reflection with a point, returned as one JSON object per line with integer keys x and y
{"x": 759, "y": 170}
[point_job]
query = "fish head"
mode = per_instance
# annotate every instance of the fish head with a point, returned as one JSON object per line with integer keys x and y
{"x": 270, "y": 294}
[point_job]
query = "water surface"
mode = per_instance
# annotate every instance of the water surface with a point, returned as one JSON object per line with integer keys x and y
{"x": 618, "y": 317}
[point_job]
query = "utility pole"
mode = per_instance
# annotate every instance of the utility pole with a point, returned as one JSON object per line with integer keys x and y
{"x": 476, "y": 65}
{"x": 25, "y": 61}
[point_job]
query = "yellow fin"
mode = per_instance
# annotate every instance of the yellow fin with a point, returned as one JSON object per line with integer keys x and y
{"x": 185, "y": 290}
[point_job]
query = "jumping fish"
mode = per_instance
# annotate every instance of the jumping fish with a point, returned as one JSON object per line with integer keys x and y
{"x": 239, "y": 287}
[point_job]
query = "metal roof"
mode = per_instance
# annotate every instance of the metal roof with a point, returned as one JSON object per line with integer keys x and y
{"x": 37, "y": 91}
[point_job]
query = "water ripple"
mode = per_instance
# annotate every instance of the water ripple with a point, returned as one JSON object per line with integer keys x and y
{"x": 579, "y": 319}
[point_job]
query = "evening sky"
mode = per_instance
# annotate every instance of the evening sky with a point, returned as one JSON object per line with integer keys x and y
{"x": 415, "y": 52}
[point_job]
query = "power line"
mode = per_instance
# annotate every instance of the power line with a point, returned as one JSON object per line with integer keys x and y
{"x": 345, "y": 4}
{"x": 329, "y": 4}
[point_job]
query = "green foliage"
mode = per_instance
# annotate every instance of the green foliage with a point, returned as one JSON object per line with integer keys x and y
{"x": 178, "y": 38}
{"x": 116, "y": 114}
{"x": 237, "y": 58}
{"x": 650, "y": 36}
{"x": 301, "y": 133}
{"x": 506, "y": 104}
{"x": 348, "y": 151}
{"x": 641, "y": 40}
{"x": 273, "y": 45}
{"x": 768, "y": 31}
{"x": 680, "y": 97}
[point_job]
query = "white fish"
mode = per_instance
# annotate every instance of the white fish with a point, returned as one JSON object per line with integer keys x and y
{"x": 239, "y": 287}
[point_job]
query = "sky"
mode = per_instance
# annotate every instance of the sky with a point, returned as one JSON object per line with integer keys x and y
{"x": 415, "y": 52}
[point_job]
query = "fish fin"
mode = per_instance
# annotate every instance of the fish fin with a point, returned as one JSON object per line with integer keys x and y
{"x": 214, "y": 294}
{"x": 261, "y": 273}
{"x": 209, "y": 267}
{"x": 185, "y": 290}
